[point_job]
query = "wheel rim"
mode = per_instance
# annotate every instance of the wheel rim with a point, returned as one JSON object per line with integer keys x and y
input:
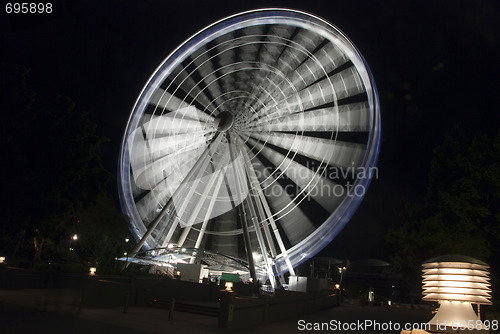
{"x": 262, "y": 121}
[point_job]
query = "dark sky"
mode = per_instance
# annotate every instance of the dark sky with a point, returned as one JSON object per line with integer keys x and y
{"x": 435, "y": 65}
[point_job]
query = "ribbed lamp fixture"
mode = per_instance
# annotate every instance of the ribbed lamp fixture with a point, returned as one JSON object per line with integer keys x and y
{"x": 456, "y": 282}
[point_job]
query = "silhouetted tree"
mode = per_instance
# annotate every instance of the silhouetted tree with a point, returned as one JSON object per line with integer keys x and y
{"x": 461, "y": 213}
{"x": 102, "y": 232}
{"x": 51, "y": 168}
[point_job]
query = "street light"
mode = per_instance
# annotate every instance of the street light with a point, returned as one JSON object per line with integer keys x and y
{"x": 456, "y": 282}
{"x": 73, "y": 238}
{"x": 341, "y": 272}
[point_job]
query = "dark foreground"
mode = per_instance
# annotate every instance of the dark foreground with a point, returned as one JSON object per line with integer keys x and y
{"x": 57, "y": 311}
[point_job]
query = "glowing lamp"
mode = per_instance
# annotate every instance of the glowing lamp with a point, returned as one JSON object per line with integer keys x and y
{"x": 92, "y": 271}
{"x": 2, "y": 259}
{"x": 229, "y": 286}
{"x": 456, "y": 282}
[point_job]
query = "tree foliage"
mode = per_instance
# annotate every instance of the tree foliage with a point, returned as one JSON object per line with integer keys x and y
{"x": 51, "y": 167}
{"x": 101, "y": 232}
{"x": 461, "y": 212}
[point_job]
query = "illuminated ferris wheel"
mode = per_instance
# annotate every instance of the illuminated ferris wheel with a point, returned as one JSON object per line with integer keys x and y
{"x": 254, "y": 142}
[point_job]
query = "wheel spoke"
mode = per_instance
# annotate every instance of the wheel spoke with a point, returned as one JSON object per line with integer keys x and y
{"x": 245, "y": 143}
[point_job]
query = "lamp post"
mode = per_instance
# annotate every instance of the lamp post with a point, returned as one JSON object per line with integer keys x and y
{"x": 341, "y": 272}
{"x": 456, "y": 282}
{"x": 73, "y": 238}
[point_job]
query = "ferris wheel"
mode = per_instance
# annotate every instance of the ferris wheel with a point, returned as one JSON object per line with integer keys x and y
{"x": 255, "y": 139}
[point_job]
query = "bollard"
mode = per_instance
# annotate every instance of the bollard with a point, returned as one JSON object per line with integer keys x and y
{"x": 171, "y": 309}
{"x": 125, "y": 305}
{"x": 84, "y": 292}
{"x": 226, "y": 310}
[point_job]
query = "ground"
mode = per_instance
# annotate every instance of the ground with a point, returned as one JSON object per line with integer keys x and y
{"x": 57, "y": 311}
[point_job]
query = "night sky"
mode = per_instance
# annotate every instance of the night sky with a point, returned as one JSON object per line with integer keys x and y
{"x": 435, "y": 65}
